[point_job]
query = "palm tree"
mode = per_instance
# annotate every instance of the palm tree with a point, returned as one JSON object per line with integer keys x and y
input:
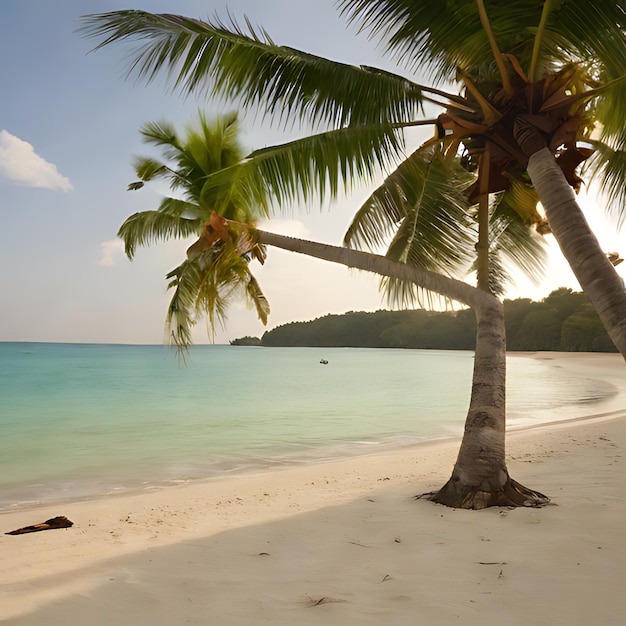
{"x": 480, "y": 477}
{"x": 212, "y": 274}
{"x": 559, "y": 67}
{"x": 354, "y": 149}
{"x": 221, "y": 190}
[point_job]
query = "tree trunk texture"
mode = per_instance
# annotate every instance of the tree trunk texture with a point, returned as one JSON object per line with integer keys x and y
{"x": 480, "y": 478}
{"x": 597, "y": 277}
{"x": 482, "y": 247}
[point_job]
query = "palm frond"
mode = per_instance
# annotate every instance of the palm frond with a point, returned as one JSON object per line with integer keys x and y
{"x": 148, "y": 169}
{"x": 205, "y": 148}
{"x": 592, "y": 32}
{"x": 146, "y": 227}
{"x": 610, "y": 112}
{"x": 520, "y": 198}
{"x": 421, "y": 213}
{"x": 513, "y": 243}
{"x": 440, "y": 37}
{"x": 211, "y": 146}
{"x": 181, "y": 318}
{"x": 204, "y": 287}
{"x": 315, "y": 166}
{"x": 607, "y": 168}
{"x": 217, "y": 58}
{"x": 162, "y": 134}
{"x": 218, "y": 269}
{"x": 258, "y": 299}
{"x": 223, "y": 275}
{"x": 499, "y": 276}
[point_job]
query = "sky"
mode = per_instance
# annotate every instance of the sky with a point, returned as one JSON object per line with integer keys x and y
{"x": 69, "y": 121}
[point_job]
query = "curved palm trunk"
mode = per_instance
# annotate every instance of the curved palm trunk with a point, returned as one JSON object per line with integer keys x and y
{"x": 480, "y": 477}
{"x": 594, "y": 272}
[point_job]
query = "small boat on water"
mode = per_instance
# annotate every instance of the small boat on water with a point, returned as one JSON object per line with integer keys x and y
{"x": 324, "y": 362}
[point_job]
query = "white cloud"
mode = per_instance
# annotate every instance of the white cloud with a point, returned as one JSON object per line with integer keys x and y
{"x": 110, "y": 251}
{"x": 21, "y": 164}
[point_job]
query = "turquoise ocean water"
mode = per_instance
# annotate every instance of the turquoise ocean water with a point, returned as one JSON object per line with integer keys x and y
{"x": 81, "y": 420}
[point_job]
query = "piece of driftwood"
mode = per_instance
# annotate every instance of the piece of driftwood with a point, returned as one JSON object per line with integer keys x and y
{"x": 54, "y": 522}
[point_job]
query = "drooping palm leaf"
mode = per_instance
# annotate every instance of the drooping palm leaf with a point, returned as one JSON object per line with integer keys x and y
{"x": 224, "y": 275}
{"x": 257, "y": 298}
{"x": 610, "y": 110}
{"x": 204, "y": 287}
{"x": 146, "y": 227}
{"x": 608, "y": 168}
{"x": 218, "y": 58}
{"x": 421, "y": 213}
{"x": 512, "y": 244}
{"x": 181, "y": 318}
{"x": 148, "y": 169}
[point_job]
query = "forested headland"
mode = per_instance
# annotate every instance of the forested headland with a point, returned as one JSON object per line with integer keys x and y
{"x": 564, "y": 321}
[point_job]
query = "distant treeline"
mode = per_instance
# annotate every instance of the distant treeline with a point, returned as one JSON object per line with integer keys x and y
{"x": 564, "y": 321}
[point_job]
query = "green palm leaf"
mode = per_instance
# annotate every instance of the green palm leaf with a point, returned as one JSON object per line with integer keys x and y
{"x": 610, "y": 111}
{"x": 146, "y": 227}
{"x": 561, "y": 60}
{"x": 440, "y": 37}
{"x": 222, "y": 59}
{"x": 522, "y": 199}
{"x": 512, "y": 244}
{"x": 163, "y": 135}
{"x": 181, "y": 318}
{"x": 420, "y": 213}
{"x": 422, "y": 208}
{"x": 257, "y": 298}
{"x": 148, "y": 169}
{"x": 205, "y": 286}
{"x": 444, "y": 36}
{"x": 315, "y": 166}
{"x": 608, "y": 168}
{"x": 206, "y": 282}
{"x": 592, "y": 32}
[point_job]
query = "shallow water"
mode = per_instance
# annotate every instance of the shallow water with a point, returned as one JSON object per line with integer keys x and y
{"x": 82, "y": 420}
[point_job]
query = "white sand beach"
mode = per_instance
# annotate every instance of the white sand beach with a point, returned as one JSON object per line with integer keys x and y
{"x": 345, "y": 542}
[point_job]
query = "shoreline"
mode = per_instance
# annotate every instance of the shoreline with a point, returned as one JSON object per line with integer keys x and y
{"x": 245, "y": 522}
{"x": 90, "y": 488}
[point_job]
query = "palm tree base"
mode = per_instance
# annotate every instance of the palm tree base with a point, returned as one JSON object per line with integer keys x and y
{"x": 511, "y": 494}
